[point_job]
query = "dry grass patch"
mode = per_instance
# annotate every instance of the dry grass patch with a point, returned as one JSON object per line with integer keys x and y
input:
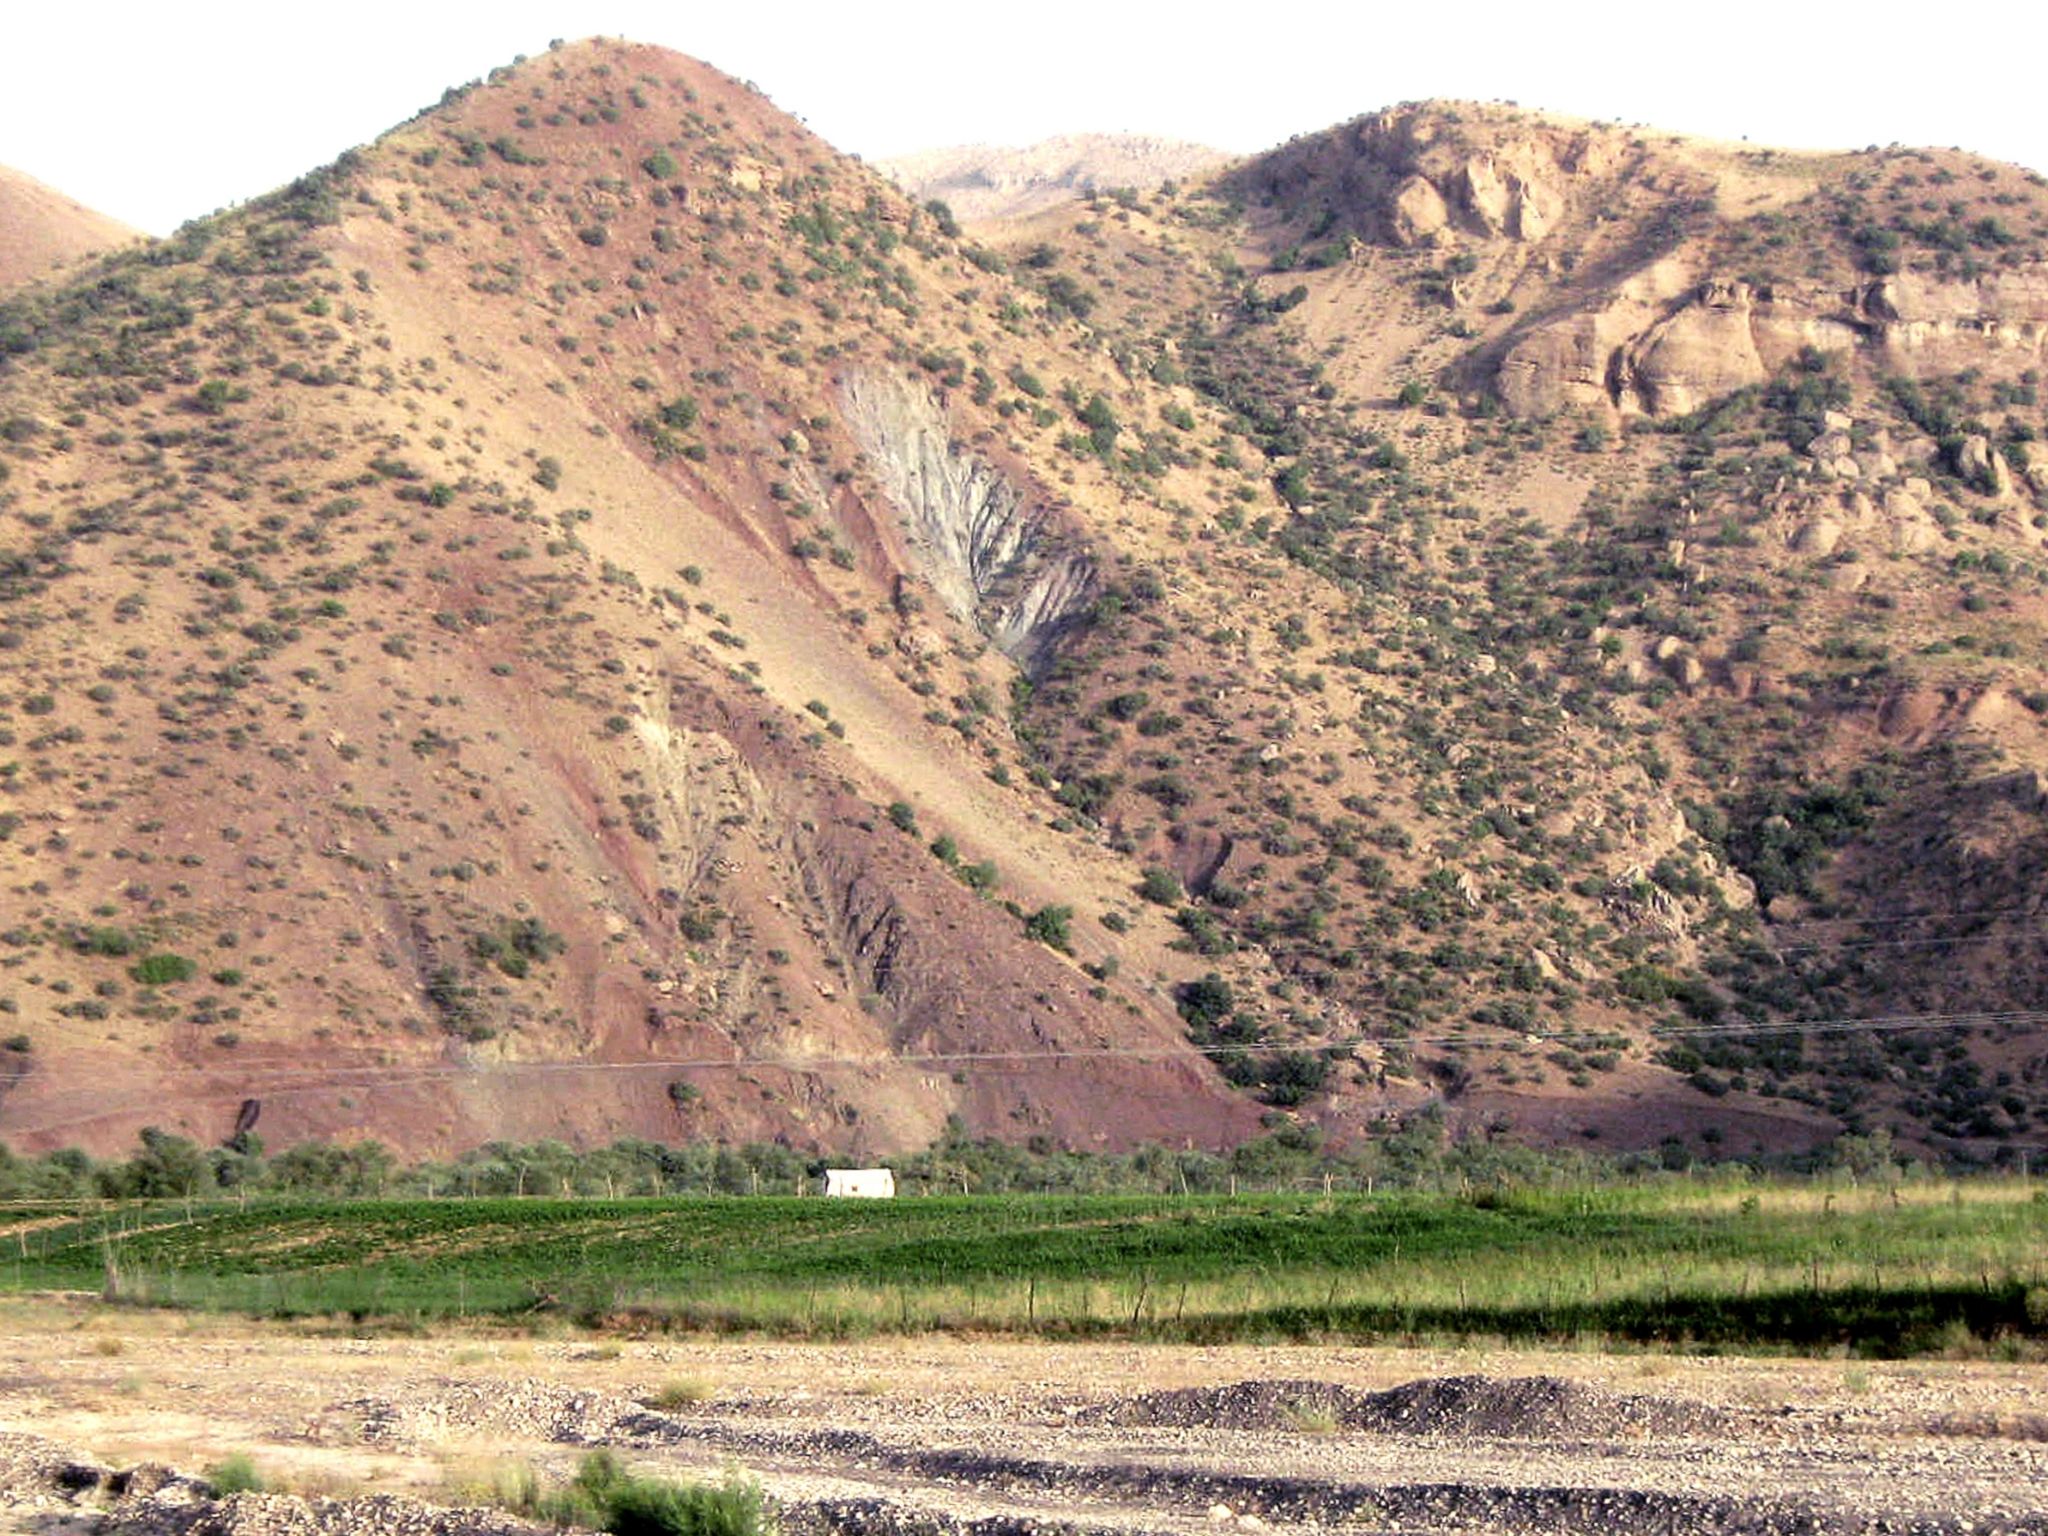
{"x": 679, "y": 1392}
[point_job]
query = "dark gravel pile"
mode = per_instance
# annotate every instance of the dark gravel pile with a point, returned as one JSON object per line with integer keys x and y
{"x": 1515, "y": 1408}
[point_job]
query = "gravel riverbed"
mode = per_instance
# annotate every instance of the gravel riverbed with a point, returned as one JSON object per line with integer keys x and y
{"x": 110, "y": 1419}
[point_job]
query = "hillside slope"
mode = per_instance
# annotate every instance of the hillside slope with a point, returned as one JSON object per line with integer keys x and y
{"x": 522, "y": 564}
{"x": 41, "y": 228}
{"x": 596, "y": 615}
{"x": 1653, "y": 636}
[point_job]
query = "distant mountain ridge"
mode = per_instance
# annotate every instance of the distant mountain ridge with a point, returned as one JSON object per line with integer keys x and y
{"x": 979, "y": 182}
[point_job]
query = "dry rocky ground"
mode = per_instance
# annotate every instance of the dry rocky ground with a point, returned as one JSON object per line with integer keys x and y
{"x": 943, "y": 1434}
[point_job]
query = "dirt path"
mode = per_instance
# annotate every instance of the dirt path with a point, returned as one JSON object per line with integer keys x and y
{"x": 951, "y": 1435}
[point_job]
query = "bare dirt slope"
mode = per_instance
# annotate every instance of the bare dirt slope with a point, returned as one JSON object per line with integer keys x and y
{"x": 41, "y": 228}
{"x": 956, "y": 1434}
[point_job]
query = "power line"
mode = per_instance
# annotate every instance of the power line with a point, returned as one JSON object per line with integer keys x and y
{"x": 258, "y": 1082}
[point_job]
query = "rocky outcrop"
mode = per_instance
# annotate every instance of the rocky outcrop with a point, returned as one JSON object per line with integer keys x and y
{"x": 1418, "y": 212}
{"x": 997, "y": 561}
{"x": 1707, "y": 349}
{"x": 1643, "y": 350}
{"x": 1410, "y": 174}
{"x": 1913, "y": 313}
{"x": 1984, "y": 467}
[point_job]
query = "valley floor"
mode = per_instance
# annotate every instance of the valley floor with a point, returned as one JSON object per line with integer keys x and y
{"x": 948, "y": 1434}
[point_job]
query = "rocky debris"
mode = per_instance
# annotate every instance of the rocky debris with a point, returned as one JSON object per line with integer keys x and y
{"x": 879, "y": 1517}
{"x": 1512, "y": 1408}
{"x": 1993, "y": 1426}
{"x": 48, "y": 1483}
{"x": 34, "y": 1466}
{"x": 283, "y": 1514}
{"x": 976, "y": 1450}
{"x": 530, "y": 1410}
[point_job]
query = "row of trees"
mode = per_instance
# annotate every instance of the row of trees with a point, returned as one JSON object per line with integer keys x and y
{"x": 1420, "y": 1154}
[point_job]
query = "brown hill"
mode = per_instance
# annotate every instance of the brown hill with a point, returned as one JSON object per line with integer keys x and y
{"x": 981, "y": 183}
{"x": 597, "y": 615}
{"x": 41, "y": 228}
{"x": 1676, "y": 543}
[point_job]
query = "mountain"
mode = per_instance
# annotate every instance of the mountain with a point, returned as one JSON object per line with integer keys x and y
{"x": 597, "y": 615}
{"x": 980, "y": 183}
{"x": 41, "y": 228}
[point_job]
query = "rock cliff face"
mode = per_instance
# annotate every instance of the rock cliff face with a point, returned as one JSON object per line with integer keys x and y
{"x": 994, "y": 559}
{"x": 1412, "y": 176}
{"x": 1645, "y": 276}
{"x": 1643, "y": 350}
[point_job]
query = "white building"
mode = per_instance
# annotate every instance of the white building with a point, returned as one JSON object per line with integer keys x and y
{"x": 860, "y": 1183}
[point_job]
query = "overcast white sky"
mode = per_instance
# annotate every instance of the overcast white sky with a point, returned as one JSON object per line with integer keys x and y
{"x": 161, "y": 112}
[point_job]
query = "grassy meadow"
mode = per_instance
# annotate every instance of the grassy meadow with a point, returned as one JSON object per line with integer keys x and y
{"x": 1921, "y": 1267}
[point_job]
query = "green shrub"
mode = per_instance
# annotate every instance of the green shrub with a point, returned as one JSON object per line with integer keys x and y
{"x": 1160, "y": 886}
{"x": 162, "y": 970}
{"x": 235, "y": 1474}
{"x": 517, "y": 945}
{"x": 639, "y": 1506}
{"x": 1049, "y": 925}
{"x": 605, "y": 1495}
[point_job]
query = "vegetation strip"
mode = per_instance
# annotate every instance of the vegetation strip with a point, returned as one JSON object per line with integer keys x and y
{"x": 1907, "y": 1269}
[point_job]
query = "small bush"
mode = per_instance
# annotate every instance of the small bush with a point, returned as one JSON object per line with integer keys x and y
{"x": 605, "y": 1495}
{"x": 647, "y": 1507}
{"x": 680, "y": 1392}
{"x": 1049, "y": 925}
{"x": 236, "y": 1474}
{"x": 1160, "y": 886}
{"x": 162, "y": 970}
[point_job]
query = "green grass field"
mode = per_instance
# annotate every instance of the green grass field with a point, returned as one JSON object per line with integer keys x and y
{"x": 1932, "y": 1266}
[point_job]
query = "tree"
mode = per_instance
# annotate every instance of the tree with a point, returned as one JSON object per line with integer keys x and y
{"x": 1160, "y": 886}
{"x": 1049, "y": 925}
{"x": 1099, "y": 417}
{"x": 1207, "y": 1002}
{"x": 167, "y": 1167}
